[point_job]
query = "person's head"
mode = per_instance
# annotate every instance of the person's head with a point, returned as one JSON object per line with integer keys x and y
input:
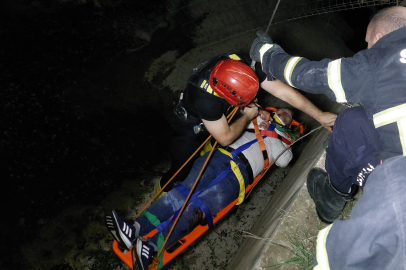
{"x": 384, "y": 22}
{"x": 234, "y": 81}
{"x": 282, "y": 116}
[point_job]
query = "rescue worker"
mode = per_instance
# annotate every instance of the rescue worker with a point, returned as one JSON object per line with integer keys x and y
{"x": 215, "y": 86}
{"x": 362, "y": 136}
{"x": 225, "y": 178}
{"x": 373, "y": 237}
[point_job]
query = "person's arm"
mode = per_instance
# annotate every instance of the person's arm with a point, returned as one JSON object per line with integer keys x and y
{"x": 224, "y": 133}
{"x": 340, "y": 80}
{"x": 297, "y": 100}
{"x": 276, "y": 148}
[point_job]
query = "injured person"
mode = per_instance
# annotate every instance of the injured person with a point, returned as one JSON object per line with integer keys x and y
{"x": 228, "y": 172}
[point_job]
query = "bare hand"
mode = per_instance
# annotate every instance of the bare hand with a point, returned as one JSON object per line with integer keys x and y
{"x": 264, "y": 125}
{"x": 250, "y": 112}
{"x": 327, "y": 119}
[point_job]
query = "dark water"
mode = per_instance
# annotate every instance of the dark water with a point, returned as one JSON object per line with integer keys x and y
{"x": 60, "y": 143}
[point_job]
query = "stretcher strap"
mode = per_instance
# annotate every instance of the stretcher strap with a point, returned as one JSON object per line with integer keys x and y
{"x": 261, "y": 145}
{"x": 160, "y": 242}
{"x": 197, "y": 201}
{"x": 236, "y": 169}
{"x": 151, "y": 218}
{"x": 273, "y": 134}
{"x": 240, "y": 178}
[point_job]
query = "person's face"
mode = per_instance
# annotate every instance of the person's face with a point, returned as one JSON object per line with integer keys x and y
{"x": 285, "y": 115}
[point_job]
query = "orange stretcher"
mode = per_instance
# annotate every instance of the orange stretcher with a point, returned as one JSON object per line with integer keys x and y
{"x": 183, "y": 243}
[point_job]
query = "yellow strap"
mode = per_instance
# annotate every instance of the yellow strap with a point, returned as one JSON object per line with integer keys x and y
{"x": 225, "y": 152}
{"x": 321, "y": 252}
{"x": 240, "y": 179}
{"x": 206, "y": 148}
{"x": 237, "y": 172}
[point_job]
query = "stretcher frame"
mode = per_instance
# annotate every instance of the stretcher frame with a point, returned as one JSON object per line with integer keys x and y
{"x": 186, "y": 241}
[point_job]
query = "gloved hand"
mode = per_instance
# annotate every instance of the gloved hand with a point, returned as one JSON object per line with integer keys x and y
{"x": 257, "y": 44}
{"x": 258, "y": 70}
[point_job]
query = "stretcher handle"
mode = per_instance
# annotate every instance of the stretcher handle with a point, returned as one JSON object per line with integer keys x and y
{"x": 125, "y": 257}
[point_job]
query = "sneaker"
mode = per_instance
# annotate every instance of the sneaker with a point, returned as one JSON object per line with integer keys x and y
{"x": 329, "y": 201}
{"x": 143, "y": 254}
{"x": 122, "y": 231}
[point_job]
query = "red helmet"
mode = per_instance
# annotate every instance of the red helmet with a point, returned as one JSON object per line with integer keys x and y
{"x": 234, "y": 81}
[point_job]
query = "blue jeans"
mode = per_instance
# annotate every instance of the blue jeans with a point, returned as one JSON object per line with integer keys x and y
{"x": 216, "y": 197}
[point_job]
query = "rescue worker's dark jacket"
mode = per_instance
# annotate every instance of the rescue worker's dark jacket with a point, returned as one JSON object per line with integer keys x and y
{"x": 375, "y": 77}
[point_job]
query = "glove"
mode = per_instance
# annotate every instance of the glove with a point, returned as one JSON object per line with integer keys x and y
{"x": 258, "y": 70}
{"x": 257, "y": 44}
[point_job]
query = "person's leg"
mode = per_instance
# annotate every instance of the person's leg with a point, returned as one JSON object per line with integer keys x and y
{"x": 165, "y": 207}
{"x": 192, "y": 215}
{"x": 215, "y": 197}
{"x": 354, "y": 147}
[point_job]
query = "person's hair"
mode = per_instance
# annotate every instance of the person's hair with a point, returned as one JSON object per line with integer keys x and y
{"x": 389, "y": 19}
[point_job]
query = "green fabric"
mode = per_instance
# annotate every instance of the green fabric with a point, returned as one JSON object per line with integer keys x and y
{"x": 152, "y": 218}
{"x": 286, "y": 130}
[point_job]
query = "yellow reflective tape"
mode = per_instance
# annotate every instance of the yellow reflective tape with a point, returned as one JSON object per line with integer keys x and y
{"x": 212, "y": 92}
{"x": 234, "y": 57}
{"x": 321, "y": 252}
{"x": 402, "y": 134}
{"x": 390, "y": 115}
{"x": 238, "y": 174}
{"x": 240, "y": 179}
{"x": 334, "y": 80}
{"x": 290, "y": 66}
{"x": 203, "y": 84}
{"x": 264, "y": 48}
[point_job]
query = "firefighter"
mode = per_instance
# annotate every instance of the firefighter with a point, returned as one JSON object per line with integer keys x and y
{"x": 373, "y": 237}
{"x": 215, "y": 86}
{"x": 362, "y": 136}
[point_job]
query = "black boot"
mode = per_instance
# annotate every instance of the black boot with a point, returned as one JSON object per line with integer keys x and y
{"x": 329, "y": 201}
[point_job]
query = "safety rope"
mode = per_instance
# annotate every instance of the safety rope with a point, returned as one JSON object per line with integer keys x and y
{"x": 284, "y": 150}
{"x": 229, "y": 117}
{"x": 273, "y": 14}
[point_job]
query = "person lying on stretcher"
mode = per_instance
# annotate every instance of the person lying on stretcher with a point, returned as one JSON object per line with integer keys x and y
{"x": 220, "y": 184}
